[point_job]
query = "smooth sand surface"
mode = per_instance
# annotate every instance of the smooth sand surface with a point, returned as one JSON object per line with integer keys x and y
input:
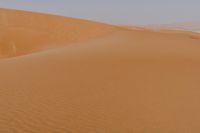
{"x": 26, "y": 32}
{"x": 107, "y": 79}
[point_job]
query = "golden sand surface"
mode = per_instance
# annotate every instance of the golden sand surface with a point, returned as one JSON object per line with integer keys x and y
{"x": 65, "y": 75}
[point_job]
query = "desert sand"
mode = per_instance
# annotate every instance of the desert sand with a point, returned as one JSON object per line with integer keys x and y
{"x": 184, "y": 26}
{"x": 65, "y": 75}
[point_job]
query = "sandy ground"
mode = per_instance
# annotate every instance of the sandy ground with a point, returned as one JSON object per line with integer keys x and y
{"x": 101, "y": 79}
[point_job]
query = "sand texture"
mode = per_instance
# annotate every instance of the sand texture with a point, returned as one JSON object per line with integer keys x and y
{"x": 65, "y": 75}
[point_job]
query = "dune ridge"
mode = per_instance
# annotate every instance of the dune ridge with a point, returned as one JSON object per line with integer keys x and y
{"x": 113, "y": 80}
{"x": 25, "y": 32}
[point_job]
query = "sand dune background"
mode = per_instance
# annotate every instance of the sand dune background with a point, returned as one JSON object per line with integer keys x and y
{"x": 26, "y": 32}
{"x": 95, "y": 78}
{"x": 185, "y": 26}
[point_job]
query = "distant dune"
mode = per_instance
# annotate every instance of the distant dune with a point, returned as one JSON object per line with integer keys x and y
{"x": 75, "y": 76}
{"x": 186, "y": 26}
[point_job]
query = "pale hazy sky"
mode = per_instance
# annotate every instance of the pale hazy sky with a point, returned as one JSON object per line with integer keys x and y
{"x": 115, "y": 11}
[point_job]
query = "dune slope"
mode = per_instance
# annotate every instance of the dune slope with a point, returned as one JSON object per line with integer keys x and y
{"x": 26, "y": 32}
{"x": 130, "y": 81}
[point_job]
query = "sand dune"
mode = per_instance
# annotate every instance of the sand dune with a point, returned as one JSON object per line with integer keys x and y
{"x": 26, "y": 32}
{"x": 185, "y": 26}
{"x": 110, "y": 80}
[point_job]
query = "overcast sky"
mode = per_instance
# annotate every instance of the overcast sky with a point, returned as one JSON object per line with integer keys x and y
{"x": 130, "y": 12}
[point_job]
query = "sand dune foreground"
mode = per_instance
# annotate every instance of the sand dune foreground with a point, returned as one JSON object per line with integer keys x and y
{"x": 64, "y": 75}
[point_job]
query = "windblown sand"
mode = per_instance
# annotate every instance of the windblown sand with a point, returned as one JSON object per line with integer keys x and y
{"x": 64, "y": 75}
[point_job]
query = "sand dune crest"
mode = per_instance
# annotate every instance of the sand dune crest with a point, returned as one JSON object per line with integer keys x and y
{"x": 25, "y": 32}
